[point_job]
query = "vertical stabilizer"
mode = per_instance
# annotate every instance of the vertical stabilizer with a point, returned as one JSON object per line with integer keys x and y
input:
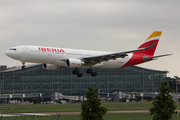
{"x": 147, "y": 54}
{"x": 153, "y": 38}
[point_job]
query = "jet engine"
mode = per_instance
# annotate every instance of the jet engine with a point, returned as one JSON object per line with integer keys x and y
{"x": 49, "y": 66}
{"x": 74, "y": 63}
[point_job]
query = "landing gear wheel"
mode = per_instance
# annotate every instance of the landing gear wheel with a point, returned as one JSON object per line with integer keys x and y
{"x": 23, "y": 67}
{"x": 89, "y": 71}
{"x": 75, "y": 72}
{"x": 79, "y": 74}
{"x": 93, "y": 74}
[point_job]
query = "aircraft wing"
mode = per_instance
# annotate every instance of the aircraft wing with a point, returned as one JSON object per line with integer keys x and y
{"x": 112, "y": 56}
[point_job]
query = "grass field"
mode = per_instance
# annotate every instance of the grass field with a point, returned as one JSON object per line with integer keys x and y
{"x": 77, "y": 107}
{"x": 120, "y": 116}
{"x": 70, "y": 107}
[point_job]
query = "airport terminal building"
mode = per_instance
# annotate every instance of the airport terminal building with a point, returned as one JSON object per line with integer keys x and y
{"x": 35, "y": 80}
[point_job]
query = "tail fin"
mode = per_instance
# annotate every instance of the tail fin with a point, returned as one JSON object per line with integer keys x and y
{"x": 152, "y": 39}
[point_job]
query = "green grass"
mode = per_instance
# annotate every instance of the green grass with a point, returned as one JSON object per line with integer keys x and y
{"x": 29, "y": 108}
{"x": 70, "y": 107}
{"x": 77, "y": 107}
{"x": 120, "y": 116}
{"x": 39, "y": 108}
{"x": 128, "y": 106}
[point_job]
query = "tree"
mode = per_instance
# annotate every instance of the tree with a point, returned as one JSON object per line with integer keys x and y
{"x": 91, "y": 109}
{"x": 164, "y": 105}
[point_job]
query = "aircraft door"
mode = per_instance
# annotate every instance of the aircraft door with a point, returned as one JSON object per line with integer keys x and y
{"x": 24, "y": 50}
{"x": 50, "y": 54}
{"x": 24, "y": 53}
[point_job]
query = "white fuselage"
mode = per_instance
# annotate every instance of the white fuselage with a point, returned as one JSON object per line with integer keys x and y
{"x": 57, "y": 56}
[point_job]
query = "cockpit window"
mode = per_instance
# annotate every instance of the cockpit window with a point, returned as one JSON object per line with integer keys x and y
{"x": 13, "y": 49}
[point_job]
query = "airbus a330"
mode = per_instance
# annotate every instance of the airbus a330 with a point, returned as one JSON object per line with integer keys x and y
{"x": 53, "y": 58}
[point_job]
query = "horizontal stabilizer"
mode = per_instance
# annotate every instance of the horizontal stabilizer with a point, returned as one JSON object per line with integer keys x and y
{"x": 145, "y": 58}
{"x": 151, "y": 46}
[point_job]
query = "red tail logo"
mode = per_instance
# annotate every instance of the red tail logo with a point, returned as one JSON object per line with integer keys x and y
{"x": 137, "y": 57}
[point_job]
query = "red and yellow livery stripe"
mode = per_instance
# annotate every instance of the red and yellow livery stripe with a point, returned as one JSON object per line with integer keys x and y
{"x": 154, "y": 34}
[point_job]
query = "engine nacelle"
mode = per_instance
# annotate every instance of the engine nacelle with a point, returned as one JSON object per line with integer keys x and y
{"x": 73, "y": 63}
{"x": 49, "y": 66}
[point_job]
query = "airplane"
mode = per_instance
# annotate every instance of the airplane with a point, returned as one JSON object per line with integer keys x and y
{"x": 53, "y": 58}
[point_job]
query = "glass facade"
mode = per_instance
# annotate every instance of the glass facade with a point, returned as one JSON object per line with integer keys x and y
{"x": 35, "y": 79}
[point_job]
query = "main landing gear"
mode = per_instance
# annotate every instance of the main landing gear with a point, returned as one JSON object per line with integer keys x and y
{"x": 77, "y": 73}
{"x": 23, "y": 67}
{"x": 89, "y": 71}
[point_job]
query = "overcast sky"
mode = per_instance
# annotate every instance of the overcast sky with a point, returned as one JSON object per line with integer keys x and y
{"x": 103, "y": 25}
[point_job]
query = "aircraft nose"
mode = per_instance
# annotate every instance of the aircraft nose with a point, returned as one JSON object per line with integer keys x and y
{"x": 7, "y": 53}
{"x": 13, "y": 54}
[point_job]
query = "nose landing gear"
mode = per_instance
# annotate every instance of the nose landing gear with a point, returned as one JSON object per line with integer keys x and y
{"x": 23, "y": 67}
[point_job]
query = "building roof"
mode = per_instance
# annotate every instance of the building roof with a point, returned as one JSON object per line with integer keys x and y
{"x": 15, "y": 68}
